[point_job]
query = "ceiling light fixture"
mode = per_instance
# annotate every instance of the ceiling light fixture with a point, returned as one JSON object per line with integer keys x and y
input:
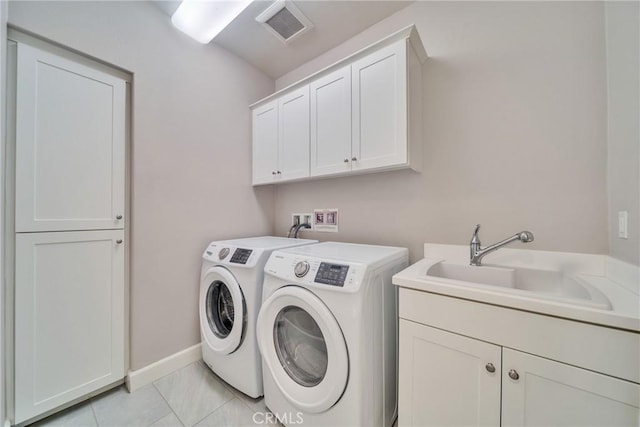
{"x": 202, "y": 20}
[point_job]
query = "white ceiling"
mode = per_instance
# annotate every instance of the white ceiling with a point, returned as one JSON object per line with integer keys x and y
{"x": 334, "y": 22}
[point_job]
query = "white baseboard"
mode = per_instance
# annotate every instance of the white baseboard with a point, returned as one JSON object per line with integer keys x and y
{"x": 628, "y": 275}
{"x": 148, "y": 374}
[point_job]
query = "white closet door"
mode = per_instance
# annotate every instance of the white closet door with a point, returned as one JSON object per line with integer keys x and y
{"x": 331, "y": 123}
{"x": 380, "y": 108}
{"x": 69, "y": 325}
{"x": 293, "y": 143}
{"x": 70, "y": 145}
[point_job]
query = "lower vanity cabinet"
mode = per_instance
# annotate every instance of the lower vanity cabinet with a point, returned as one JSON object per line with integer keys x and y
{"x": 446, "y": 378}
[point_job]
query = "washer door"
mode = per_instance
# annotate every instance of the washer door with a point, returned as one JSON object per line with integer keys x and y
{"x": 304, "y": 348}
{"x": 222, "y": 311}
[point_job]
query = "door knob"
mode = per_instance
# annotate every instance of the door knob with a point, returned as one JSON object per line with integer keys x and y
{"x": 490, "y": 368}
{"x": 273, "y": 173}
{"x": 346, "y": 160}
{"x": 118, "y": 216}
{"x": 279, "y": 173}
{"x": 119, "y": 241}
{"x": 513, "y": 374}
{"x": 354, "y": 158}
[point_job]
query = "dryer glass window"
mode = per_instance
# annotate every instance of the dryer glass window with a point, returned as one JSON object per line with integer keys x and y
{"x": 220, "y": 313}
{"x": 300, "y": 346}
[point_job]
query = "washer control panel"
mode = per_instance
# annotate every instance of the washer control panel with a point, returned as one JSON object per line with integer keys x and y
{"x": 241, "y": 256}
{"x": 331, "y": 274}
{"x": 296, "y": 268}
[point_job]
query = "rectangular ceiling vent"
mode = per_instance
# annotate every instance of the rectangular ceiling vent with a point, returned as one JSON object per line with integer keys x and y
{"x": 285, "y": 21}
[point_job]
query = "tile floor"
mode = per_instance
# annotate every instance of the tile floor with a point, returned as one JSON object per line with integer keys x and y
{"x": 191, "y": 396}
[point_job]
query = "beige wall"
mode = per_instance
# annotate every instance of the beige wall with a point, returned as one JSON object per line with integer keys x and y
{"x": 191, "y": 171}
{"x": 623, "y": 136}
{"x": 514, "y": 133}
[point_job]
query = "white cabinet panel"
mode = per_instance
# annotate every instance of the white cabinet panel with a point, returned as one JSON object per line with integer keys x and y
{"x": 265, "y": 143}
{"x": 293, "y": 141}
{"x": 380, "y": 108}
{"x": 69, "y": 325}
{"x": 70, "y": 145}
{"x": 444, "y": 380}
{"x": 331, "y": 123}
{"x": 548, "y": 393}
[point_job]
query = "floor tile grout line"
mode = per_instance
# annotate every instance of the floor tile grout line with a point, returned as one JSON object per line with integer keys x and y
{"x": 211, "y": 413}
{"x": 93, "y": 412}
{"x": 167, "y": 402}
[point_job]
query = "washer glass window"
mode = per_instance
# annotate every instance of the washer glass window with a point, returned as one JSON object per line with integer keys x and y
{"x": 220, "y": 312}
{"x": 300, "y": 346}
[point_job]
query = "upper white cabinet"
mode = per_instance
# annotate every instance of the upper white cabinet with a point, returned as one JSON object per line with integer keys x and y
{"x": 281, "y": 138}
{"x": 364, "y": 114}
{"x": 380, "y": 109}
{"x": 293, "y": 135}
{"x": 265, "y": 143}
{"x": 70, "y": 159}
{"x": 331, "y": 123}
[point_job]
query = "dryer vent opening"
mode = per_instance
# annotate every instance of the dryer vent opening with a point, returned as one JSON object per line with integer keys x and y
{"x": 285, "y": 21}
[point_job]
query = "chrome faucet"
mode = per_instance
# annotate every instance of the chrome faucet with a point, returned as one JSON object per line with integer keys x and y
{"x": 477, "y": 252}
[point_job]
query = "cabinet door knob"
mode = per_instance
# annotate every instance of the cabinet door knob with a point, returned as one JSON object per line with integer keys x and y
{"x": 273, "y": 173}
{"x": 119, "y": 241}
{"x": 118, "y": 216}
{"x": 346, "y": 160}
{"x": 490, "y": 368}
{"x": 354, "y": 159}
{"x": 279, "y": 173}
{"x": 513, "y": 374}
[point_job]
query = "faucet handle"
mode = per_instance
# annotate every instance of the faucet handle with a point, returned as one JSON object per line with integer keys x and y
{"x": 475, "y": 238}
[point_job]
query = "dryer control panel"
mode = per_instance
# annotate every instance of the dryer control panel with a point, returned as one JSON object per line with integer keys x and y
{"x": 227, "y": 254}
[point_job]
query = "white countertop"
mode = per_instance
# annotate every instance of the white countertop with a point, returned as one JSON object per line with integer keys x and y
{"x": 625, "y": 312}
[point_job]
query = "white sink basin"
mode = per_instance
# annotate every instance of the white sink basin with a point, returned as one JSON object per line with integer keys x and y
{"x": 540, "y": 284}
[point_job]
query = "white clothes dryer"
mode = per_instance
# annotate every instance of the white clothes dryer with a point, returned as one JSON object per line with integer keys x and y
{"x": 230, "y": 297}
{"x": 327, "y": 332}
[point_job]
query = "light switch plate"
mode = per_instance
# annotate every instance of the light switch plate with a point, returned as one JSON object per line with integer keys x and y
{"x": 623, "y": 232}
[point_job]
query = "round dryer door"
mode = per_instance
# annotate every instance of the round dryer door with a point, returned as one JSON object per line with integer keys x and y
{"x": 222, "y": 310}
{"x": 304, "y": 349}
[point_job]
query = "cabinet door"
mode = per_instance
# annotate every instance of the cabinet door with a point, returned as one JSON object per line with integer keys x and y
{"x": 380, "y": 108}
{"x": 445, "y": 379}
{"x": 331, "y": 123}
{"x": 548, "y": 393}
{"x": 265, "y": 143}
{"x": 70, "y": 145}
{"x": 293, "y": 142}
{"x": 69, "y": 317}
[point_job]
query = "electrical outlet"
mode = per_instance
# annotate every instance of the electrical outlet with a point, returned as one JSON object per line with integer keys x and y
{"x": 325, "y": 220}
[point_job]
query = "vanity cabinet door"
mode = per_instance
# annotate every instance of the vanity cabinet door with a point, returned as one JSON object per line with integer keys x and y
{"x": 380, "y": 108}
{"x": 331, "y": 123}
{"x": 265, "y": 143}
{"x": 542, "y": 392}
{"x": 447, "y": 379}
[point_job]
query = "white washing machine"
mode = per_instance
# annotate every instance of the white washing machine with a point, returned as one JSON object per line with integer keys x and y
{"x": 327, "y": 332}
{"x": 230, "y": 297}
